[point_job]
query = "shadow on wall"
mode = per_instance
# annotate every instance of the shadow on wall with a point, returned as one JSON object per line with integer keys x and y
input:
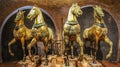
{"x": 7, "y": 33}
{"x": 87, "y": 20}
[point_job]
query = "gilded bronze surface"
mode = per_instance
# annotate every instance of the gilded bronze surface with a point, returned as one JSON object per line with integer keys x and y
{"x": 20, "y": 32}
{"x": 40, "y": 31}
{"x": 71, "y": 30}
{"x": 98, "y": 32}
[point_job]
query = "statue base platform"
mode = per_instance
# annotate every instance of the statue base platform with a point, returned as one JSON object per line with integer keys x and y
{"x": 59, "y": 61}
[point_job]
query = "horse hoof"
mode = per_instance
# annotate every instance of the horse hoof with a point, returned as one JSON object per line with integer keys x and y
{"x": 46, "y": 62}
{"x": 67, "y": 62}
{"x": 72, "y": 57}
{"x": 94, "y": 61}
{"x": 23, "y": 59}
{"x": 108, "y": 56}
{"x": 38, "y": 63}
{"x": 12, "y": 54}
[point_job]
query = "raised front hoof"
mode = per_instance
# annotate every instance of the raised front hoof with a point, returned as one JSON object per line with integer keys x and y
{"x": 46, "y": 62}
{"x": 108, "y": 56}
{"x": 12, "y": 54}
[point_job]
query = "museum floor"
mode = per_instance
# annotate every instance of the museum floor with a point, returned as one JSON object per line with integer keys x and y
{"x": 14, "y": 64}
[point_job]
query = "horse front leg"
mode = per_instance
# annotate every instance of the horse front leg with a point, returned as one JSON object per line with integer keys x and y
{"x": 46, "y": 50}
{"x": 108, "y": 41}
{"x": 52, "y": 47}
{"x": 23, "y": 47}
{"x": 72, "y": 55}
{"x": 96, "y": 49}
{"x": 80, "y": 42}
{"x": 91, "y": 48}
{"x": 31, "y": 44}
{"x": 9, "y": 46}
{"x": 66, "y": 41}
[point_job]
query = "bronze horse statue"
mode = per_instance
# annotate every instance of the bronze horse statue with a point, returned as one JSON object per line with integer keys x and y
{"x": 20, "y": 32}
{"x": 98, "y": 32}
{"x": 40, "y": 31}
{"x": 71, "y": 30}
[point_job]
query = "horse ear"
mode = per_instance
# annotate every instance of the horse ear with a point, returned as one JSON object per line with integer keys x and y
{"x": 76, "y": 3}
{"x": 35, "y": 5}
{"x": 23, "y": 11}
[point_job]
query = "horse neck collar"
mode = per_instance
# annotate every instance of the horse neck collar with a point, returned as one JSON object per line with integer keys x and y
{"x": 17, "y": 27}
{"x": 72, "y": 22}
{"x": 38, "y": 25}
{"x": 103, "y": 25}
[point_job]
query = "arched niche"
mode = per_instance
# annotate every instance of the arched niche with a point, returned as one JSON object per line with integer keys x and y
{"x": 87, "y": 20}
{"x": 7, "y": 33}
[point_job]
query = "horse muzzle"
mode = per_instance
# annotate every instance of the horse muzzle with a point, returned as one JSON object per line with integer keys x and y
{"x": 29, "y": 17}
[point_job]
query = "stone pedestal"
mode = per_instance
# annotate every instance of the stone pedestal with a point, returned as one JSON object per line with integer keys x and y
{"x": 58, "y": 61}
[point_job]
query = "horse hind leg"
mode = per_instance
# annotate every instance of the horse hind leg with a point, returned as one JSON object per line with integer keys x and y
{"x": 31, "y": 44}
{"x": 66, "y": 41}
{"x": 72, "y": 55}
{"x": 23, "y": 47}
{"x": 52, "y": 46}
{"x": 46, "y": 50}
{"x": 91, "y": 48}
{"x": 81, "y": 47}
{"x": 9, "y": 46}
{"x": 96, "y": 49}
{"x": 108, "y": 41}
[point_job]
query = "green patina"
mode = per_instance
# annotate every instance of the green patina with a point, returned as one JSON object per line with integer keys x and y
{"x": 72, "y": 22}
{"x": 103, "y": 25}
{"x": 38, "y": 25}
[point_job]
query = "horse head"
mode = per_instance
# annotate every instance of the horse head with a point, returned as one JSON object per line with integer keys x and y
{"x": 98, "y": 12}
{"x": 34, "y": 12}
{"x": 19, "y": 16}
{"x": 75, "y": 9}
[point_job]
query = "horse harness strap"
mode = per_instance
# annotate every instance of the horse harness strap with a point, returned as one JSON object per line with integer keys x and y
{"x": 35, "y": 32}
{"x": 72, "y": 23}
{"x": 38, "y": 25}
{"x": 103, "y": 25}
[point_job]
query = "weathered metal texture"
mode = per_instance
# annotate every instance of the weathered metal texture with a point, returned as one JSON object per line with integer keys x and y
{"x": 58, "y": 9}
{"x": 7, "y": 35}
{"x": 87, "y": 20}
